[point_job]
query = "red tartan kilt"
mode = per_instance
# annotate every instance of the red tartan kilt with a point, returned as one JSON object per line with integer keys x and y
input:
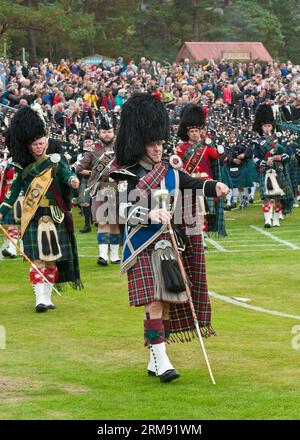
{"x": 140, "y": 277}
{"x": 141, "y": 289}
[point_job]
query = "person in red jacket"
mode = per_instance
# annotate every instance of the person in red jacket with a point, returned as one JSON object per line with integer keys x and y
{"x": 200, "y": 159}
{"x": 6, "y": 178}
{"x": 108, "y": 101}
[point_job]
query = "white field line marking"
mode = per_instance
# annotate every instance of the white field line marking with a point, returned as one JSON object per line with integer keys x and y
{"x": 284, "y": 227}
{"x": 273, "y": 237}
{"x": 246, "y": 240}
{"x": 248, "y": 306}
{"x": 216, "y": 245}
{"x": 212, "y": 251}
{"x": 288, "y": 231}
{"x": 265, "y": 250}
{"x": 251, "y": 245}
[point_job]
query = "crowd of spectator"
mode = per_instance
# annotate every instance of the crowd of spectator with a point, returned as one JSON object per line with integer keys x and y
{"x": 72, "y": 92}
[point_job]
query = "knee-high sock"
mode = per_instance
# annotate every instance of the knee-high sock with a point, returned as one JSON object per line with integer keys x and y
{"x": 51, "y": 273}
{"x": 114, "y": 240}
{"x": 103, "y": 239}
{"x": 234, "y": 194}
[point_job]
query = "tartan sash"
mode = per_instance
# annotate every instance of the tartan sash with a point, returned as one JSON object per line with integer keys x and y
{"x": 139, "y": 237}
{"x": 102, "y": 164}
{"x": 194, "y": 159}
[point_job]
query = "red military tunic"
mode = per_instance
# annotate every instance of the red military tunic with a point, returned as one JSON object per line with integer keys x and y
{"x": 7, "y": 181}
{"x": 199, "y": 162}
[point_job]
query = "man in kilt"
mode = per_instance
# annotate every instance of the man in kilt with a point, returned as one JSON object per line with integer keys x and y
{"x": 98, "y": 164}
{"x": 201, "y": 160}
{"x": 83, "y": 169}
{"x": 46, "y": 222}
{"x": 144, "y": 125}
{"x": 271, "y": 159}
{"x": 238, "y": 157}
{"x": 10, "y": 220}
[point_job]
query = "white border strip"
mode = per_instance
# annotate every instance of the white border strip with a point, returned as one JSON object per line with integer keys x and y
{"x": 248, "y": 306}
{"x": 215, "y": 244}
{"x": 273, "y": 237}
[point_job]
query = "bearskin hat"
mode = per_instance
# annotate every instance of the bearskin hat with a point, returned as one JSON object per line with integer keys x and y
{"x": 264, "y": 115}
{"x": 88, "y": 136}
{"x": 192, "y": 116}
{"x": 144, "y": 119}
{"x": 27, "y": 125}
{"x": 105, "y": 123}
{"x": 72, "y": 129}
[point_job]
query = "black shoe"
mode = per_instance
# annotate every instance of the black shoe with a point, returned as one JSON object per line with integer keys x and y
{"x": 233, "y": 205}
{"x": 51, "y": 307}
{"x": 267, "y": 225}
{"x": 115, "y": 262}
{"x": 227, "y": 208}
{"x": 41, "y": 308}
{"x": 85, "y": 229}
{"x": 169, "y": 375}
{"x": 6, "y": 253}
{"x": 251, "y": 200}
{"x": 151, "y": 373}
{"x": 102, "y": 262}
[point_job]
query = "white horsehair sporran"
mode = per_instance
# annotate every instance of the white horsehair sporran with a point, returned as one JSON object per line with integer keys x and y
{"x": 47, "y": 237}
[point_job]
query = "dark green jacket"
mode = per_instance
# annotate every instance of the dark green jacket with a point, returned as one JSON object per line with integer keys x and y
{"x": 23, "y": 178}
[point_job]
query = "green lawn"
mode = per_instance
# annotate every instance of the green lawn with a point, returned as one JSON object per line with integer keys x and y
{"x": 86, "y": 360}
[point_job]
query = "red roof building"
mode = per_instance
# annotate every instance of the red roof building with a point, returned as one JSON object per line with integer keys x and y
{"x": 230, "y": 51}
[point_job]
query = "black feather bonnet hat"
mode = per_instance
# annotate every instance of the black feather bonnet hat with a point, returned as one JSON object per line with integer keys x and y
{"x": 144, "y": 119}
{"x": 264, "y": 115}
{"x": 105, "y": 124}
{"x": 192, "y": 116}
{"x": 27, "y": 125}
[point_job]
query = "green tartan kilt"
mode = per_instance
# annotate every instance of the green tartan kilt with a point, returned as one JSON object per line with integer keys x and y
{"x": 254, "y": 174}
{"x": 31, "y": 243}
{"x": 84, "y": 196}
{"x": 9, "y": 218}
{"x": 225, "y": 177}
{"x": 288, "y": 198}
{"x": 244, "y": 179}
{"x": 294, "y": 173}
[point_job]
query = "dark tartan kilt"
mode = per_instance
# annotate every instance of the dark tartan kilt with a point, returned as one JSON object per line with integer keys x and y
{"x": 141, "y": 288}
{"x": 244, "y": 179}
{"x": 211, "y": 205}
{"x": 225, "y": 177}
{"x": 30, "y": 238}
{"x": 254, "y": 174}
{"x": 294, "y": 172}
{"x": 9, "y": 218}
{"x": 288, "y": 197}
{"x": 84, "y": 196}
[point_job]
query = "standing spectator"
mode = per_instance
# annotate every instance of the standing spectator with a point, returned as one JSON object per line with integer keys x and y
{"x": 108, "y": 101}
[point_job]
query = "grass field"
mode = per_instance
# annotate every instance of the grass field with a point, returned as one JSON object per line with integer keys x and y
{"x": 86, "y": 360}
